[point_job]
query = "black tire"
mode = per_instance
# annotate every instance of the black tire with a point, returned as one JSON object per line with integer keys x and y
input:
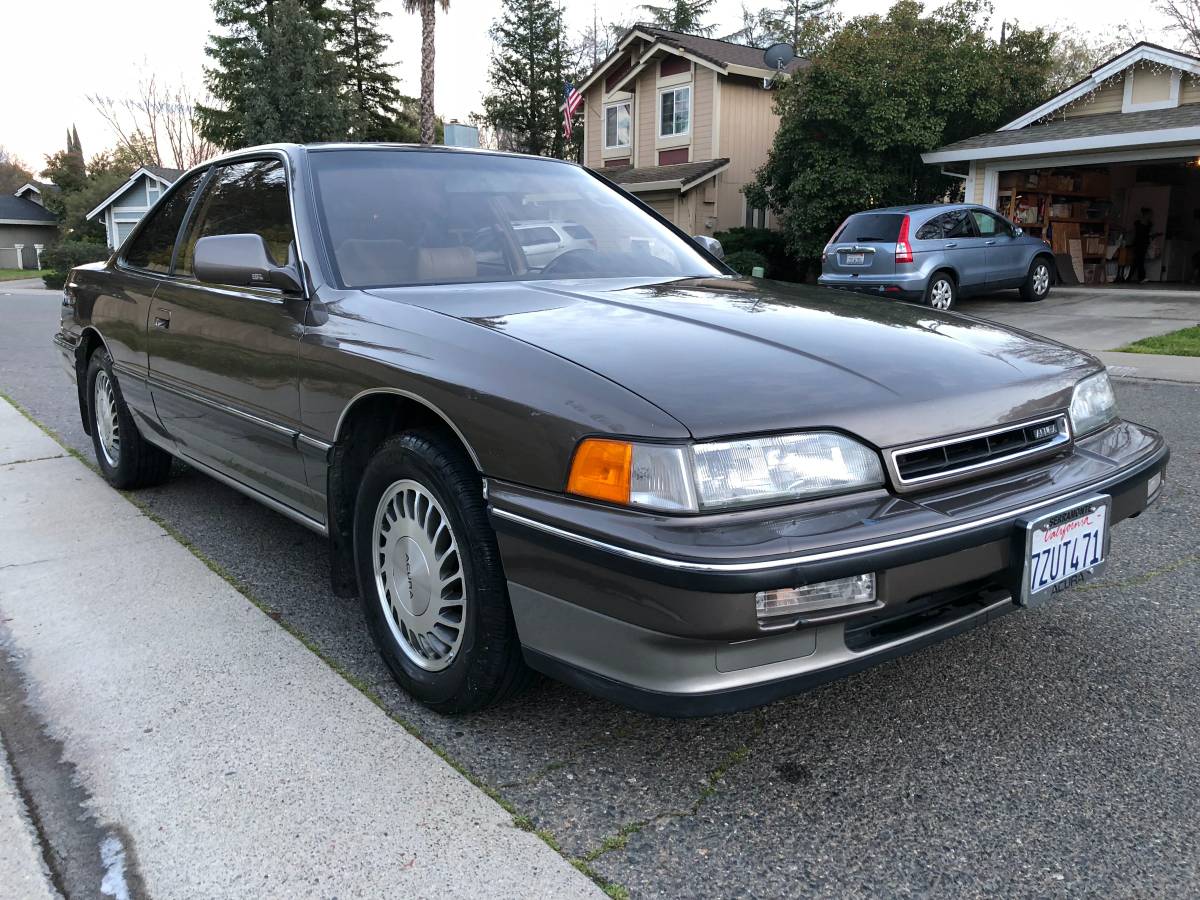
{"x": 487, "y": 666}
{"x": 941, "y": 284}
{"x": 135, "y": 463}
{"x": 1035, "y": 288}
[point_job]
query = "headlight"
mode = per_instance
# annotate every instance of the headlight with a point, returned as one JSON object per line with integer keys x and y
{"x": 1093, "y": 404}
{"x": 722, "y": 474}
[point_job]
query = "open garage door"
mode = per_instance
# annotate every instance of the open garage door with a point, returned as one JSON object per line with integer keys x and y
{"x": 1123, "y": 222}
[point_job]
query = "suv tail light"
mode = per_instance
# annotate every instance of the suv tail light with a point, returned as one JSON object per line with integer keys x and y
{"x": 903, "y": 247}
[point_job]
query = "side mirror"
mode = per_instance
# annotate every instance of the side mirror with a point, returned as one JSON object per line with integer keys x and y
{"x": 711, "y": 244}
{"x": 1018, "y": 231}
{"x": 242, "y": 260}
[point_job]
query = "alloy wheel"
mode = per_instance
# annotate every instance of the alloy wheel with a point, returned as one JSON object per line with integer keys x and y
{"x": 419, "y": 575}
{"x": 1041, "y": 280}
{"x": 107, "y": 425}
{"x": 942, "y": 294}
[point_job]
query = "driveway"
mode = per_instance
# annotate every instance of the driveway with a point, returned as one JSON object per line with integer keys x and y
{"x": 1052, "y": 753}
{"x": 1093, "y": 318}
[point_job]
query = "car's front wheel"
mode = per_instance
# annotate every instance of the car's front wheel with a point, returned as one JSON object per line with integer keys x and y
{"x": 430, "y": 579}
{"x": 125, "y": 458}
{"x": 1037, "y": 282}
{"x": 941, "y": 292}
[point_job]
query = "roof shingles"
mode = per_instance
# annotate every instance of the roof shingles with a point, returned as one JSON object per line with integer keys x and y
{"x": 1187, "y": 116}
{"x": 721, "y": 53}
{"x": 23, "y": 210}
{"x": 684, "y": 173}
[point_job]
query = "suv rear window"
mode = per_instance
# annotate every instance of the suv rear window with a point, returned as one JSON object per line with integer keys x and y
{"x": 578, "y": 232}
{"x": 871, "y": 228}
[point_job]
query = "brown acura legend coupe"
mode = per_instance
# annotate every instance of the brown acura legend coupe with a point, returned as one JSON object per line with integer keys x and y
{"x": 544, "y": 429}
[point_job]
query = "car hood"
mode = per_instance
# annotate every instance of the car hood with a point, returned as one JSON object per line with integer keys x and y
{"x": 729, "y": 357}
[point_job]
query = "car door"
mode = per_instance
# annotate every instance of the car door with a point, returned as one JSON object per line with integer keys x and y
{"x": 223, "y": 359}
{"x": 540, "y": 244}
{"x": 122, "y": 311}
{"x": 964, "y": 250}
{"x": 1006, "y": 262}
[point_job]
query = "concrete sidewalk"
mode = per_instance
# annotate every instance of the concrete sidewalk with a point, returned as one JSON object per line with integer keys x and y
{"x": 215, "y": 754}
{"x": 1152, "y": 365}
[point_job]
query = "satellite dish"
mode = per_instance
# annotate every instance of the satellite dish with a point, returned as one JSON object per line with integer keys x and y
{"x": 777, "y": 56}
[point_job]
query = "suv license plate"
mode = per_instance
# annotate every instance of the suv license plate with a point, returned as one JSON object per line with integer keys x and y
{"x": 1065, "y": 548}
{"x": 855, "y": 259}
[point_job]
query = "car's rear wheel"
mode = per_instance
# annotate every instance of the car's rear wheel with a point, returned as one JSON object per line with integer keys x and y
{"x": 125, "y": 458}
{"x": 941, "y": 291}
{"x": 1038, "y": 281}
{"x": 430, "y": 579}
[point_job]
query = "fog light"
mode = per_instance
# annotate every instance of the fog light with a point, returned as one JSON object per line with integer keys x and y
{"x": 839, "y": 592}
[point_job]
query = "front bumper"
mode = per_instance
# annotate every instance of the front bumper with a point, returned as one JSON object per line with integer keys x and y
{"x": 658, "y": 612}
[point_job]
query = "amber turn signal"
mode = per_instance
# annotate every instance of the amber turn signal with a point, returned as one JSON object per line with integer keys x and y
{"x": 600, "y": 470}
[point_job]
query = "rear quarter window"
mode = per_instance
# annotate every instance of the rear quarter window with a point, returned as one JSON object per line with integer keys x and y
{"x": 530, "y": 237}
{"x": 872, "y": 228}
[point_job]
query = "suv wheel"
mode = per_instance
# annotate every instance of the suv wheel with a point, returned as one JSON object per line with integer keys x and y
{"x": 1037, "y": 282}
{"x": 941, "y": 292}
{"x": 429, "y": 575}
{"x": 126, "y": 459}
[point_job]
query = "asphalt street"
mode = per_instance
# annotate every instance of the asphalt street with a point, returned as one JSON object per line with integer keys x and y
{"x": 1051, "y": 753}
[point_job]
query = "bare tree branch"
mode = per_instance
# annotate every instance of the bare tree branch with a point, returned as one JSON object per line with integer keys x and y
{"x": 154, "y": 117}
{"x": 1184, "y": 17}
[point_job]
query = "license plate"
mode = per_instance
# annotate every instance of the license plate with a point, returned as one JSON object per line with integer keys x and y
{"x": 855, "y": 259}
{"x": 1065, "y": 548}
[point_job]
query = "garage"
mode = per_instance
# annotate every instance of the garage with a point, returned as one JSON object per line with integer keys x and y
{"x": 1107, "y": 172}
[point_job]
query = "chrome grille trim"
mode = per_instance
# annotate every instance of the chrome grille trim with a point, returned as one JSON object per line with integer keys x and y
{"x": 1060, "y": 439}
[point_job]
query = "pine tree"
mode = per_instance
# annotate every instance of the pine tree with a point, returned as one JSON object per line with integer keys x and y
{"x": 531, "y": 59}
{"x": 274, "y": 75}
{"x": 681, "y": 15}
{"x": 805, "y": 24}
{"x": 371, "y": 93}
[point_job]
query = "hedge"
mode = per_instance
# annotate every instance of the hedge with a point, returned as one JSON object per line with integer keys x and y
{"x": 66, "y": 255}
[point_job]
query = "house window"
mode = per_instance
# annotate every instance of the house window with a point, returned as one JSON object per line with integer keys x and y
{"x": 756, "y": 217}
{"x": 674, "y": 111}
{"x": 617, "y": 121}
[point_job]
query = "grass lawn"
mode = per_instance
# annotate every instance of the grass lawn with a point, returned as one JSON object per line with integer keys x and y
{"x": 15, "y": 274}
{"x": 1185, "y": 342}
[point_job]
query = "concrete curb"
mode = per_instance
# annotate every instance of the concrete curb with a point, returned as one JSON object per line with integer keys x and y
{"x": 232, "y": 759}
{"x": 1152, "y": 366}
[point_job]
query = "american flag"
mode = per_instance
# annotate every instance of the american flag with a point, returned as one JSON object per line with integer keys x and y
{"x": 574, "y": 100}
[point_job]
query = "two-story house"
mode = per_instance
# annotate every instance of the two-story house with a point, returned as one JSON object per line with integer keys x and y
{"x": 1081, "y": 170}
{"x": 684, "y": 122}
{"x": 123, "y": 208}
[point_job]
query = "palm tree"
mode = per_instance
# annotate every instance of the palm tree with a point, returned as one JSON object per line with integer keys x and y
{"x": 428, "y": 14}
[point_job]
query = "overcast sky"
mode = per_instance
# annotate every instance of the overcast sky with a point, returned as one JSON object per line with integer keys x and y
{"x": 84, "y": 47}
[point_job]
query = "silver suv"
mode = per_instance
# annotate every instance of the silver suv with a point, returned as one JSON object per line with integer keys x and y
{"x": 935, "y": 254}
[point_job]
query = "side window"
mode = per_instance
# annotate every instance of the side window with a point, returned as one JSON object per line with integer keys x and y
{"x": 530, "y": 237}
{"x": 988, "y": 225}
{"x": 243, "y": 198}
{"x": 152, "y": 247}
{"x": 931, "y": 230}
{"x": 957, "y": 224}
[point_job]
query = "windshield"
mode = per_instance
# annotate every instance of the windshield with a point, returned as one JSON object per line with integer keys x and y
{"x": 398, "y": 217}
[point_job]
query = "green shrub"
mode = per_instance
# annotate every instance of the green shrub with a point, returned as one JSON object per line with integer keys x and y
{"x": 770, "y": 244}
{"x": 744, "y": 261}
{"x": 66, "y": 255}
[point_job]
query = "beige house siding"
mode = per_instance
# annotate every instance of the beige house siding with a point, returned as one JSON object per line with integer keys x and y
{"x": 1189, "y": 90}
{"x": 748, "y": 125}
{"x": 1104, "y": 100}
{"x": 647, "y": 103}
{"x": 593, "y": 123}
{"x": 703, "y": 90}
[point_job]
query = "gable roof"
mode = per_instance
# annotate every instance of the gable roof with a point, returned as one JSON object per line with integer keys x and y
{"x": 1143, "y": 51}
{"x": 35, "y": 187}
{"x": 725, "y": 57}
{"x": 162, "y": 174}
{"x": 16, "y": 210}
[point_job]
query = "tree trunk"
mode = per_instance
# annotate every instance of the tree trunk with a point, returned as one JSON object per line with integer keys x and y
{"x": 428, "y": 12}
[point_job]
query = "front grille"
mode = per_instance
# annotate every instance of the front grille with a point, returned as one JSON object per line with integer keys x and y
{"x": 977, "y": 451}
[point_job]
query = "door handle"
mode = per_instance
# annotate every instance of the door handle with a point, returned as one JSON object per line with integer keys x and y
{"x": 952, "y": 245}
{"x": 162, "y": 319}
{"x": 989, "y": 243}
